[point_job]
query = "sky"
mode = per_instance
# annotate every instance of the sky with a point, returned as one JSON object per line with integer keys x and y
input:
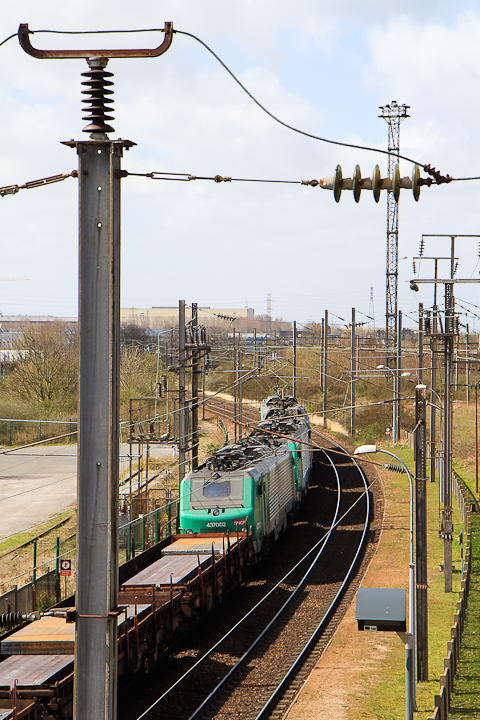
{"x": 322, "y": 66}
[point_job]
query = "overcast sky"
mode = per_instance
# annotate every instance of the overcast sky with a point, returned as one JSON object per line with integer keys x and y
{"x": 322, "y": 66}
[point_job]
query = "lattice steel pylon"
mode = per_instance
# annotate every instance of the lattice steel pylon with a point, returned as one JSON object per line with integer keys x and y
{"x": 394, "y": 114}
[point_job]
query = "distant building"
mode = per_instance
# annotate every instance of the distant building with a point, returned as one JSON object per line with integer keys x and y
{"x": 151, "y": 316}
{"x": 18, "y": 322}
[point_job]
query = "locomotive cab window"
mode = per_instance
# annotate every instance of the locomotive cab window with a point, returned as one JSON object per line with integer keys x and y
{"x": 225, "y": 493}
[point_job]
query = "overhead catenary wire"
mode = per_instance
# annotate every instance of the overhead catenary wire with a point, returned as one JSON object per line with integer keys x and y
{"x": 426, "y": 167}
{"x": 283, "y": 580}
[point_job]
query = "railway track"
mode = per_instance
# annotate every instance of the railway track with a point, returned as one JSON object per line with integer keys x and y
{"x": 258, "y": 668}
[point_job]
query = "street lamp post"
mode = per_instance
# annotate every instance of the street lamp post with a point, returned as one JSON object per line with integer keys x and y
{"x": 395, "y": 399}
{"x": 410, "y": 636}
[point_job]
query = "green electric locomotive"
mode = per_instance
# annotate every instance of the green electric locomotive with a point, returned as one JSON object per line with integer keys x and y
{"x": 255, "y": 483}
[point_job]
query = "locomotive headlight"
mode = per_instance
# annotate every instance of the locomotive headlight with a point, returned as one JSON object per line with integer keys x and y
{"x": 216, "y": 512}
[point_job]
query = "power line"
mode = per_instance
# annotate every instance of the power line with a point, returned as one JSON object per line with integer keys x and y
{"x": 281, "y": 122}
{"x": 427, "y": 167}
{"x": 187, "y": 177}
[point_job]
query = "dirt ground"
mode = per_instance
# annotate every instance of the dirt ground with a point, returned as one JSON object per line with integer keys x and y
{"x": 344, "y": 682}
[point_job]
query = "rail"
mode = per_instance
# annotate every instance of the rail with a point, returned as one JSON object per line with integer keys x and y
{"x": 283, "y": 611}
{"x": 283, "y": 684}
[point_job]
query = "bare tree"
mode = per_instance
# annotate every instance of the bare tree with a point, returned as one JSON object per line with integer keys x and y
{"x": 46, "y": 366}
{"x": 137, "y": 373}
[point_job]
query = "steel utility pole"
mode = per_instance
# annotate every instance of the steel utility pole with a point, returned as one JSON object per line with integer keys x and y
{"x": 398, "y": 372}
{"x": 448, "y": 435}
{"x": 325, "y": 366}
{"x": 294, "y": 358}
{"x": 421, "y": 530}
{"x": 353, "y": 371}
{"x": 182, "y": 413}
{"x": 467, "y": 363}
{"x": 240, "y": 393}
{"x": 99, "y": 420}
{"x": 394, "y": 114}
{"x": 476, "y": 439}
{"x": 448, "y": 337}
{"x": 96, "y": 612}
{"x": 194, "y": 327}
{"x": 235, "y": 389}
{"x": 420, "y": 342}
{"x": 322, "y": 353}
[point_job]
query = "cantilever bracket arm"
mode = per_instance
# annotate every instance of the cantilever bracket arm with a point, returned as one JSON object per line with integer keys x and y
{"x": 24, "y": 39}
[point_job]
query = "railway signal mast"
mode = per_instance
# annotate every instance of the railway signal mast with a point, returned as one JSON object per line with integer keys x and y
{"x": 96, "y": 616}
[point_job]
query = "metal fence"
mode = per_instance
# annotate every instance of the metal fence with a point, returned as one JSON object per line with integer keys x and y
{"x": 450, "y": 663}
{"x": 21, "y": 432}
{"x": 33, "y": 596}
{"x": 148, "y": 529}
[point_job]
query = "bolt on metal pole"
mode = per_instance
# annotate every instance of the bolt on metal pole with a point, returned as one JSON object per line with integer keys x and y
{"x": 353, "y": 371}
{"x": 182, "y": 421}
{"x": 421, "y": 529}
{"x": 95, "y": 693}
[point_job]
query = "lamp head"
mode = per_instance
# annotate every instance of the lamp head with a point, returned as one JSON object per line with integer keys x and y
{"x": 363, "y": 449}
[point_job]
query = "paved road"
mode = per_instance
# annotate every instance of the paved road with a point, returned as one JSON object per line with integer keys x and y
{"x": 39, "y": 482}
{"x": 35, "y": 484}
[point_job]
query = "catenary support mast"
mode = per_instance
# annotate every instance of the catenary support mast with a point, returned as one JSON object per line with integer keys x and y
{"x": 394, "y": 114}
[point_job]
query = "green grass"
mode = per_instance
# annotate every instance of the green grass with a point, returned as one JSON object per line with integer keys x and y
{"x": 385, "y": 684}
{"x": 22, "y": 537}
{"x": 466, "y": 694}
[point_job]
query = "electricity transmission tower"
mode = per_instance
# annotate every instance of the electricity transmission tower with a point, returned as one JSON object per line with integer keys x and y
{"x": 394, "y": 114}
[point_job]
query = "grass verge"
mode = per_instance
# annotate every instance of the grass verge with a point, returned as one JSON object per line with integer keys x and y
{"x": 384, "y": 679}
{"x": 466, "y": 692}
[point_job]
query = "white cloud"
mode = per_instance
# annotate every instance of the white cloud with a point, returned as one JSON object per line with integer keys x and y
{"x": 323, "y": 67}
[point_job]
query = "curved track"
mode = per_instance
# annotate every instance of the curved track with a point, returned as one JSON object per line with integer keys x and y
{"x": 258, "y": 670}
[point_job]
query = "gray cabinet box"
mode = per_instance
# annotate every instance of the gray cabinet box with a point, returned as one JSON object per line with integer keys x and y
{"x": 381, "y": 609}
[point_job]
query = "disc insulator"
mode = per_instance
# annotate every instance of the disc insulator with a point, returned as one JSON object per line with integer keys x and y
{"x": 98, "y": 104}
